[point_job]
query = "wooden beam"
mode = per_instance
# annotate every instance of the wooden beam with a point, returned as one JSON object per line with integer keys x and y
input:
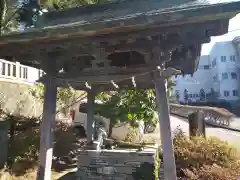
{"x": 143, "y": 81}
{"x": 103, "y": 74}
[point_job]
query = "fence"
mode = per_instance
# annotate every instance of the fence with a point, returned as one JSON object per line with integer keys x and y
{"x": 16, "y": 71}
{"x": 213, "y": 116}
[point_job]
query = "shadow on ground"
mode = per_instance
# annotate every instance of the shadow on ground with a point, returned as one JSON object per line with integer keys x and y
{"x": 68, "y": 176}
{"x": 67, "y": 145}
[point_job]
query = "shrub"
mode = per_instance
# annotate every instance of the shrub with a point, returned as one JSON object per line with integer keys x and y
{"x": 202, "y": 158}
{"x": 24, "y": 142}
{"x": 213, "y": 172}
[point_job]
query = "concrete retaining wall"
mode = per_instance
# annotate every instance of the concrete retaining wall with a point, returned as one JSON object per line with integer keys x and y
{"x": 15, "y": 98}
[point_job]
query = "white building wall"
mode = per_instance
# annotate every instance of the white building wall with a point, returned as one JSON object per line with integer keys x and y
{"x": 226, "y": 62}
{"x": 219, "y": 70}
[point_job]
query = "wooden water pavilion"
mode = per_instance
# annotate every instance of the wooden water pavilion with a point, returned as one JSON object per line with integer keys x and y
{"x": 119, "y": 44}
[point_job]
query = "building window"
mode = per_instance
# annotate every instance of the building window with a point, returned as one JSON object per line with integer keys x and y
{"x": 190, "y": 95}
{"x": 223, "y": 59}
{"x": 235, "y": 92}
{"x": 226, "y": 93}
{"x": 206, "y": 67}
{"x": 224, "y": 76}
{"x": 234, "y": 75}
{"x": 233, "y": 58}
{"x": 214, "y": 62}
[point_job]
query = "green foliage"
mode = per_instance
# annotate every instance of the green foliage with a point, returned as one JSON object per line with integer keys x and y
{"x": 24, "y": 143}
{"x": 64, "y": 95}
{"x": 29, "y": 13}
{"x": 185, "y": 95}
{"x": 63, "y": 4}
{"x": 157, "y": 165}
{"x": 202, "y": 95}
{"x": 128, "y": 105}
{"x": 8, "y": 12}
{"x": 212, "y": 94}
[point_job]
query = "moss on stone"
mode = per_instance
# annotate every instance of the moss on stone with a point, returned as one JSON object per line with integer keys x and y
{"x": 157, "y": 165}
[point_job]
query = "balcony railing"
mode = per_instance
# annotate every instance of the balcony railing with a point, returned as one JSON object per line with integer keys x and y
{"x": 14, "y": 71}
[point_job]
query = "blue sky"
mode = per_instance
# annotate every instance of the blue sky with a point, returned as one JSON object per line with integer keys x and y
{"x": 233, "y": 31}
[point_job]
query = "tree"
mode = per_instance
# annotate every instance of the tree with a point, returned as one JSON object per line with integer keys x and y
{"x": 13, "y": 12}
{"x": 29, "y": 13}
{"x": 177, "y": 95}
{"x": 31, "y": 10}
{"x": 128, "y": 106}
{"x": 185, "y": 95}
{"x": 202, "y": 95}
{"x": 8, "y": 12}
{"x": 2, "y": 13}
{"x": 64, "y": 95}
{"x": 212, "y": 94}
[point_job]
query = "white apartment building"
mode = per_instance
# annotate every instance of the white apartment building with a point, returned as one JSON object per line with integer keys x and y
{"x": 217, "y": 77}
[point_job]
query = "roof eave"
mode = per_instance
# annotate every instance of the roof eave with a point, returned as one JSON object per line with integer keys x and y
{"x": 190, "y": 15}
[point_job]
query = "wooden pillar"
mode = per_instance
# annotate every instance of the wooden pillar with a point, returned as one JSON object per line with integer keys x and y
{"x": 90, "y": 115}
{"x": 165, "y": 128}
{"x": 46, "y": 139}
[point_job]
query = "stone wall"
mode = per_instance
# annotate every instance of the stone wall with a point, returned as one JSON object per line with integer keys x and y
{"x": 118, "y": 165}
{"x": 15, "y": 98}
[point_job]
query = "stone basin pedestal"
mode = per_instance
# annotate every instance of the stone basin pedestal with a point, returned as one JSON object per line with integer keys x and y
{"x": 118, "y": 164}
